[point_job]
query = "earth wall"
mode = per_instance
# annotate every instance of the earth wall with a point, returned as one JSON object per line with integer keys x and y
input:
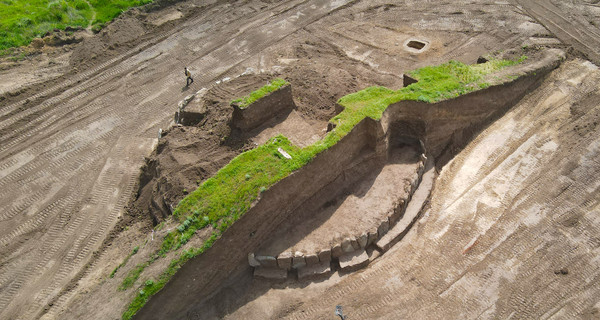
{"x": 276, "y": 103}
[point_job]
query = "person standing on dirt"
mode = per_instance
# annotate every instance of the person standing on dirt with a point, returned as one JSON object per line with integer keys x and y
{"x": 188, "y": 76}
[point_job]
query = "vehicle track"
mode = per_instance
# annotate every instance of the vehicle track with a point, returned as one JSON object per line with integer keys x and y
{"x": 569, "y": 30}
{"x": 71, "y": 130}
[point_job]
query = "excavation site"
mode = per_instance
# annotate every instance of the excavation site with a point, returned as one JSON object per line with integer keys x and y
{"x": 320, "y": 159}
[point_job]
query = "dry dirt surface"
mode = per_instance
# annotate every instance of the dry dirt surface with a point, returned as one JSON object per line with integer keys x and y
{"x": 74, "y": 137}
{"x": 576, "y": 23}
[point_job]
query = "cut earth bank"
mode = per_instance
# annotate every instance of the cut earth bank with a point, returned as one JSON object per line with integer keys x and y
{"x": 56, "y": 264}
{"x": 511, "y": 229}
{"x": 442, "y": 128}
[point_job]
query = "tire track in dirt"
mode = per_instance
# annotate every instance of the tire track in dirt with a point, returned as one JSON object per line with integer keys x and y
{"x": 60, "y": 301}
{"x": 74, "y": 146}
{"x": 20, "y": 275}
{"x": 67, "y": 163}
{"x": 570, "y": 31}
{"x": 115, "y": 65}
{"x": 82, "y": 245}
{"x": 94, "y": 242}
{"x": 26, "y": 203}
{"x": 36, "y": 221}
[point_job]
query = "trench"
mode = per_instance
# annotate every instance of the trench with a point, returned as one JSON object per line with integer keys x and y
{"x": 345, "y": 208}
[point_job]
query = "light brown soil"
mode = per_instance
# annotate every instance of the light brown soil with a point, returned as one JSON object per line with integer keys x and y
{"x": 73, "y": 141}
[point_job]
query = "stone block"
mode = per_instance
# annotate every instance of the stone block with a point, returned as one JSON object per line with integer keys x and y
{"x": 270, "y": 273}
{"x": 373, "y": 254}
{"x": 355, "y": 244}
{"x": 252, "y": 260}
{"x": 336, "y": 251}
{"x": 362, "y": 240}
{"x": 372, "y": 237}
{"x": 267, "y": 261}
{"x": 284, "y": 260}
{"x": 311, "y": 259}
{"x": 309, "y": 272}
{"x": 298, "y": 261}
{"x": 401, "y": 205}
{"x": 325, "y": 255}
{"x": 384, "y": 227}
{"x": 354, "y": 260}
{"x": 347, "y": 245}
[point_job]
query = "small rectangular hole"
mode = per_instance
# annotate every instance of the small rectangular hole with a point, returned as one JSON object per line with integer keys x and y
{"x": 416, "y": 44}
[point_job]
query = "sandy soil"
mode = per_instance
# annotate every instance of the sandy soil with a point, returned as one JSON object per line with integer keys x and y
{"x": 576, "y": 23}
{"x": 73, "y": 141}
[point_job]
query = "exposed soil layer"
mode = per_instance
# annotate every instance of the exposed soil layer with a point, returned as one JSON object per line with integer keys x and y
{"x": 443, "y": 127}
{"x": 341, "y": 211}
{"x": 512, "y": 218}
{"x": 75, "y": 129}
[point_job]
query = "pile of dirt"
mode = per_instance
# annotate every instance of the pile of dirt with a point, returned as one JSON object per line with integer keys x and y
{"x": 133, "y": 27}
{"x": 123, "y": 33}
{"x": 188, "y": 155}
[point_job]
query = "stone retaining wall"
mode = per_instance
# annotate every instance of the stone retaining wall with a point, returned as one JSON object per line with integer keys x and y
{"x": 296, "y": 261}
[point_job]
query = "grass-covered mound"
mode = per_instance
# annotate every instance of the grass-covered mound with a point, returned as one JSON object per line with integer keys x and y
{"x": 224, "y": 198}
{"x": 23, "y": 20}
{"x": 275, "y": 84}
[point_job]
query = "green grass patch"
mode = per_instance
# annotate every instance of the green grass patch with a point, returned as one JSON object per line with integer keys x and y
{"x": 224, "y": 198}
{"x": 151, "y": 287}
{"x": 23, "y": 20}
{"x": 255, "y": 95}
{"x": 134, "y": 251}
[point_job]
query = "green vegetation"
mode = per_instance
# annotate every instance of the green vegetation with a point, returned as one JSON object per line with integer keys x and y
{"x": 134, "y": 251}
{"x": 268, "y": 88}
{"x": 23, "y": 20}
{"x": 133, "y": 275}
{"x": 151, "y": 287}
{"x": 224, "y": 198}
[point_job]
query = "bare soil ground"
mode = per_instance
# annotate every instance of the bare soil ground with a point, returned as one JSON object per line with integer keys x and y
{"x": 576, "y": 23}
{"x": 76, "y": 123}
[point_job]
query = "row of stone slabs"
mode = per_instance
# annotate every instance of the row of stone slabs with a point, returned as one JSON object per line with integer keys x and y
{"x": 351, "y": 254}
